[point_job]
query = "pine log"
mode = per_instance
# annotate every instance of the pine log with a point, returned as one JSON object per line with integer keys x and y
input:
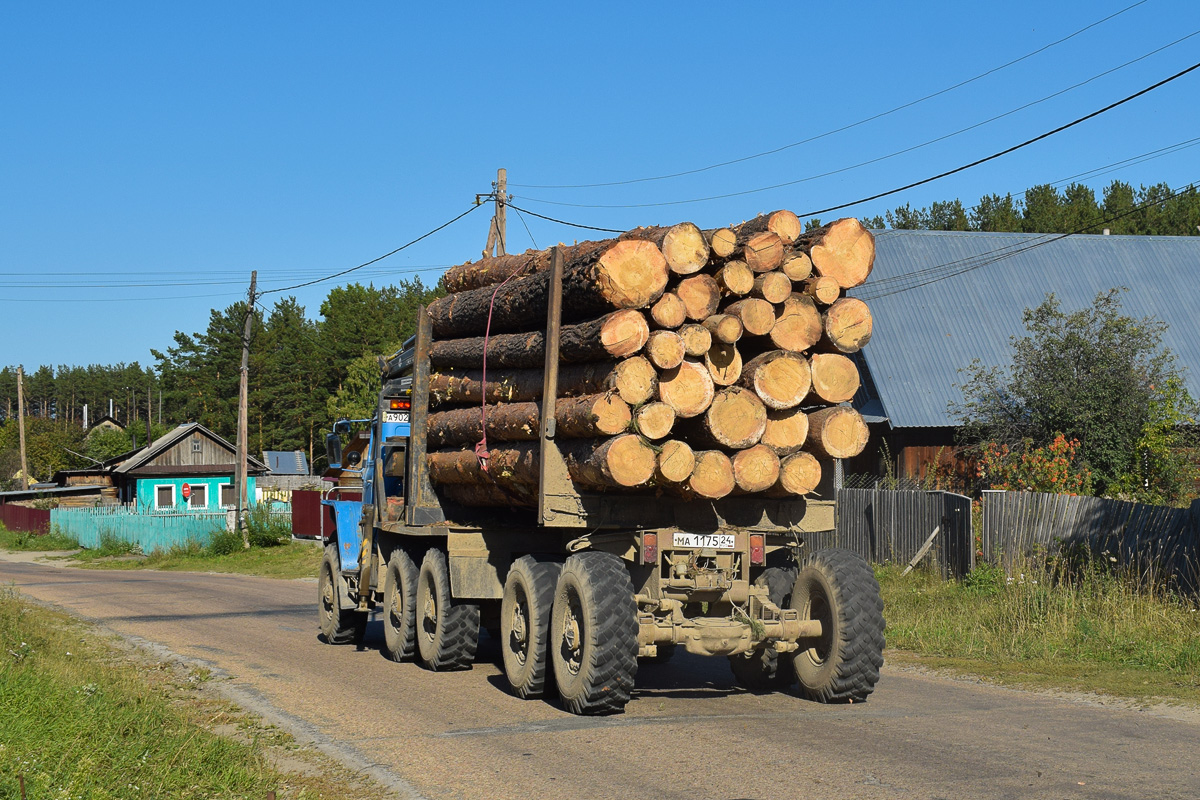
{"x": 755, "y": 469}
{"x": 622, "y": 461}
{"x": 668, "y": 312}
{"x": 848, "y": 324}
{"x": 683, "y": 245}
{"x": 797, "y": 266}
{"x": 757, "y": 316}
{"x": 780, "y": 379}
{"x": 786, "y": 430}
{"x": 762, "y": 252}
{"x": 798, "y": 326}
{"x": 665, "y": 349}
{"x": 837, "y": 432}
{"x": 624, "y": 274}
{"x": 724, "y": 328}
{"x": 835, "y": 378}
{"x": 721, "y": 241}
{"x": 615, "y": 335}
{"x": 688, "y": 389}
{"x": 510, "y": 465}
{"x": 843, "y": 250}
{"x": 784, "y": 224}
{"x": 654, "y": 420}
{"x": 823, "y": 289}
{"x": 712, "y": 476}
{"x": 736, "y": 419}
{"x": 724, "y": 363}
{"x": 575, "y": 418}
{"x": 676, "y": 461}
{"x": 696, "y": 339}
{"x": 774, "y": 286}
{"x": 634, "y": 379}
{"x": 734, "y": 277}
{"x": 799, "y": 474}
{"x": 700, "y": 295}
{"x": 491, "y": 271}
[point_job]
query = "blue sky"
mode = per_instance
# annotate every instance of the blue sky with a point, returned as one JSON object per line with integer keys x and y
{"x": 152, "y": 154}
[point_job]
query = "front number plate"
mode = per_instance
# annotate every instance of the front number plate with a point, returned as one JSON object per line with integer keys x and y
{"x": 395, "y": 416}
{"x": 705, "y": 541}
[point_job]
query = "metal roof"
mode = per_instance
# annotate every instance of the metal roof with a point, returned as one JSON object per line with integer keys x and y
{"x": 924, "y": 337}
{"x": 286, "y": 462}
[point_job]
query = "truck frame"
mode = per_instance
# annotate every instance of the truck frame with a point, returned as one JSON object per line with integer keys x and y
{"x": 580, "y": 588}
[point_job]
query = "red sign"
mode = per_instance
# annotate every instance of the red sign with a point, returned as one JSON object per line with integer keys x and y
{"x": 187, "y": 491}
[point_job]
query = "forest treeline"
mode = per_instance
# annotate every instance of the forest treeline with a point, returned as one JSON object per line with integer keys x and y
{"x": 305, "y": 372}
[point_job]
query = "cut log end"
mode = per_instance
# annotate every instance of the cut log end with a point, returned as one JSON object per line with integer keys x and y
{"x": 712, "y": 477}
{"x": 837, "y": 432}
{"x": 665, "y": 349}
{"x": 696, "y": 340}
{"x": 724, "y": 328}
{"x": 736, "y": 419}
{"x": 685, "y": 249}
{"x": 755, "y": 469}
{"x": 797, "y": 266}
{"x": 845, "y": 251}
{"x": 774, "y": 286}
{"x": 700, "y": 295}
{"x": 688, "y": 389}
{"x": 763, "y": 252}
{"x": 668, "y": 311}
{"x": 676, "y": 461}
{"x": 632, "y": 274}
{"x": 781, "y": 379}
{"x": 627, "y": 461}
{"x": 823, "y": 288}
{"x": 785, "y": 225}
{"x": 835, "y": 377}
{"x": 735, "y": 278}
{"x": 848, "y": 325}
{"x": 724, "y": 363}
{"x": 624, "y": 332}
{"x": 799, "y": 474}
{"x": 654, "y": 420}
{"x": 757, "y": 316}
{"x": 799, "y": 325}
{"x": 635, "y": 380}
{"x": 786, "y": 430}
{"x": 722, "y": 241}
{"x": 609, "y": 414}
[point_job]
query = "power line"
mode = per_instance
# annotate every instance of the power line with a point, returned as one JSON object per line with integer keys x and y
{"x": 835, "y": 130}
{"x": 374, "y": 260}
{"x": 521, "y": 217}
{"x": 564, "y": 222}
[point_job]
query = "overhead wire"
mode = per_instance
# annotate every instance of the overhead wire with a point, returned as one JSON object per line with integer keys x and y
{"x": 841, "y": 129}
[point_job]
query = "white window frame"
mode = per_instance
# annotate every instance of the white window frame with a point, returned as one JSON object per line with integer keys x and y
{"x": 203, "y": 487}
{"x": 220, "y": 491}
{"x": 170, "y": 486}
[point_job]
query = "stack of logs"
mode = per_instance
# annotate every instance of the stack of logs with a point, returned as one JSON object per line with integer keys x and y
{"x": 696, "y": 363}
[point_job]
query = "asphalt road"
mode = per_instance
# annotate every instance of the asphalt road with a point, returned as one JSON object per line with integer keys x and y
{"x": 688, "y": 733}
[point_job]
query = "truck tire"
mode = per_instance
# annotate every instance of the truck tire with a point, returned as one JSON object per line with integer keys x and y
{"x": 766, "y": 669}
{"x": 838, "y": 587}
{"x": 399, "y": 607}
{"x": 447, "y": 631}
{"x": 339, "y": 625}
{"x": 525, "y": 623}
{"x": 594, "y": 634}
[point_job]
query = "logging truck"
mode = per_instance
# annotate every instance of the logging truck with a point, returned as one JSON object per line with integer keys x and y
{"x": 557, "y": 525}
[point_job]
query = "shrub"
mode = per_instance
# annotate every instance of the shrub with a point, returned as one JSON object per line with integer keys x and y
{"x": 224, "y": 543}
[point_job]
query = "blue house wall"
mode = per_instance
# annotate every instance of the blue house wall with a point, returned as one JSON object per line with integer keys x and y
{"x": 147, "y": 491}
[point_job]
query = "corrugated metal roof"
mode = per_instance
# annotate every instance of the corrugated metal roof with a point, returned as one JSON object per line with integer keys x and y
{"x": 922, "y": 338}
{"x": 286, "y": 462}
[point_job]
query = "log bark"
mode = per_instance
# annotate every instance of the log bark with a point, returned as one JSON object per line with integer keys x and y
{"x": 786, "y": 430}
{"x": 676, "y": 461}
{"x": 510, "y": 466}
{"x": 837, "y": 432}
{"x": 797, "y": 266}
{"x": 823, "y": 289}
{"x": 724, "y": 328}
{"x": 755, "y": 469}
{"x": 781, "y": 379}
{"x": 700, "y": 295}
{"x": 683, "y": 245}
{"x": 843, "y": 250}
{"x": 798, "y": 326}
{"x": 615, "y": 335}
{"x": 774, "y": 286}
{"x": 654, "y": 420}
{"x": 848, "y": 325}
{"x": 696, "y": 339}
{"x": 757, "y": 316}
{"x": 724, "y": 363}
{"x": 835, "y": 378}
{"x": 624, "y": 274}
{"x": 721, "y": 241}
{"x": 799, "y": 474}
{"x": 623, "y": 461}
{"x": 575, "y": 418}
{"x": 489, "y": 495}
{"x": 665, "y": 349}
{"x": 668, "y": 312}
{"x": 688, "y": 389}
{"x": 783, "y": 223}
{"x": 634, "y": 379}
{"x": 736, "y": 419}
{"x": 491, "y": 271}
{"x": 712, "y": 477}
{"x": 734, "y": 277}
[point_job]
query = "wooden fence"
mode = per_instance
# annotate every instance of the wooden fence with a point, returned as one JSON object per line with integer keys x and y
{"x": 23, "y": 518}
{"x": 149, "y": 530}
{"x": 883, "y": 525}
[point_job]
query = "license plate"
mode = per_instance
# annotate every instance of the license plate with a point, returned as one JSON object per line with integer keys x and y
{"x": 705, "y": 541}
{"x": 395, "y": 416}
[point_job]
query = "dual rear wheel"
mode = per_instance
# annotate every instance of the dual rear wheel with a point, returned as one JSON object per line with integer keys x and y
{"x": 421, "y": 618}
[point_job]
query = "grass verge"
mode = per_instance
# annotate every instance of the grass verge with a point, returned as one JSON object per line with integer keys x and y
{"x": 32, "y": 542}
{"x": 291, "y": 559}
{"x": 1075, "y": 627}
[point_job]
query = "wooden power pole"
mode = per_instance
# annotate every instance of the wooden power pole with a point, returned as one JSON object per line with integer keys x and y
{"x": 497, "y": 235}
{"x": 242, "y": 437}
{"x": 21, "y": 426}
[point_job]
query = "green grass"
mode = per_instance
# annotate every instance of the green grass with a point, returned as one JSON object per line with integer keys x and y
{"x": 1078, "y": 627}
{"x": 25, "y": 541}
{"x": 291, "y": 559}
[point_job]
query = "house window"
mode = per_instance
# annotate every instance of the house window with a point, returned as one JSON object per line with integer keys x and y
{"x": 164, "y": 496}
{"x": 228, "y": 498}
{"x": 198, "y": 497}
{"x": 196, "y": 445}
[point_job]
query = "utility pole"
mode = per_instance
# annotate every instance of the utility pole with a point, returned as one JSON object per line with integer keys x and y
{"x": 243, "y": 390}
{"x": 21, "y": 426}
{"x": 497, "y": 235}
{"x": 149, "y": 414}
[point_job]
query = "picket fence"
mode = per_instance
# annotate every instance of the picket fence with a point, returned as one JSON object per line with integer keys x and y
{"x": 148, "y": 529}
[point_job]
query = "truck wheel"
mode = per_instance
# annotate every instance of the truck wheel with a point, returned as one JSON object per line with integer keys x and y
{"x": 399, "y": 607}
{"x": 766, "y": 668}
{"x": 838, "y": 587}
{"x": 447, "y": 631}
{"x": 525, "y": 623}
{"x": 340, "y": 626}
{"x": 594, "y": 634}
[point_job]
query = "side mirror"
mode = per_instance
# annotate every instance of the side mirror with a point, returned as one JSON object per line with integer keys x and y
{"x": 333, "y": 450}
{"x": 342, "y": 428}
{"x": 353, "y": 457}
